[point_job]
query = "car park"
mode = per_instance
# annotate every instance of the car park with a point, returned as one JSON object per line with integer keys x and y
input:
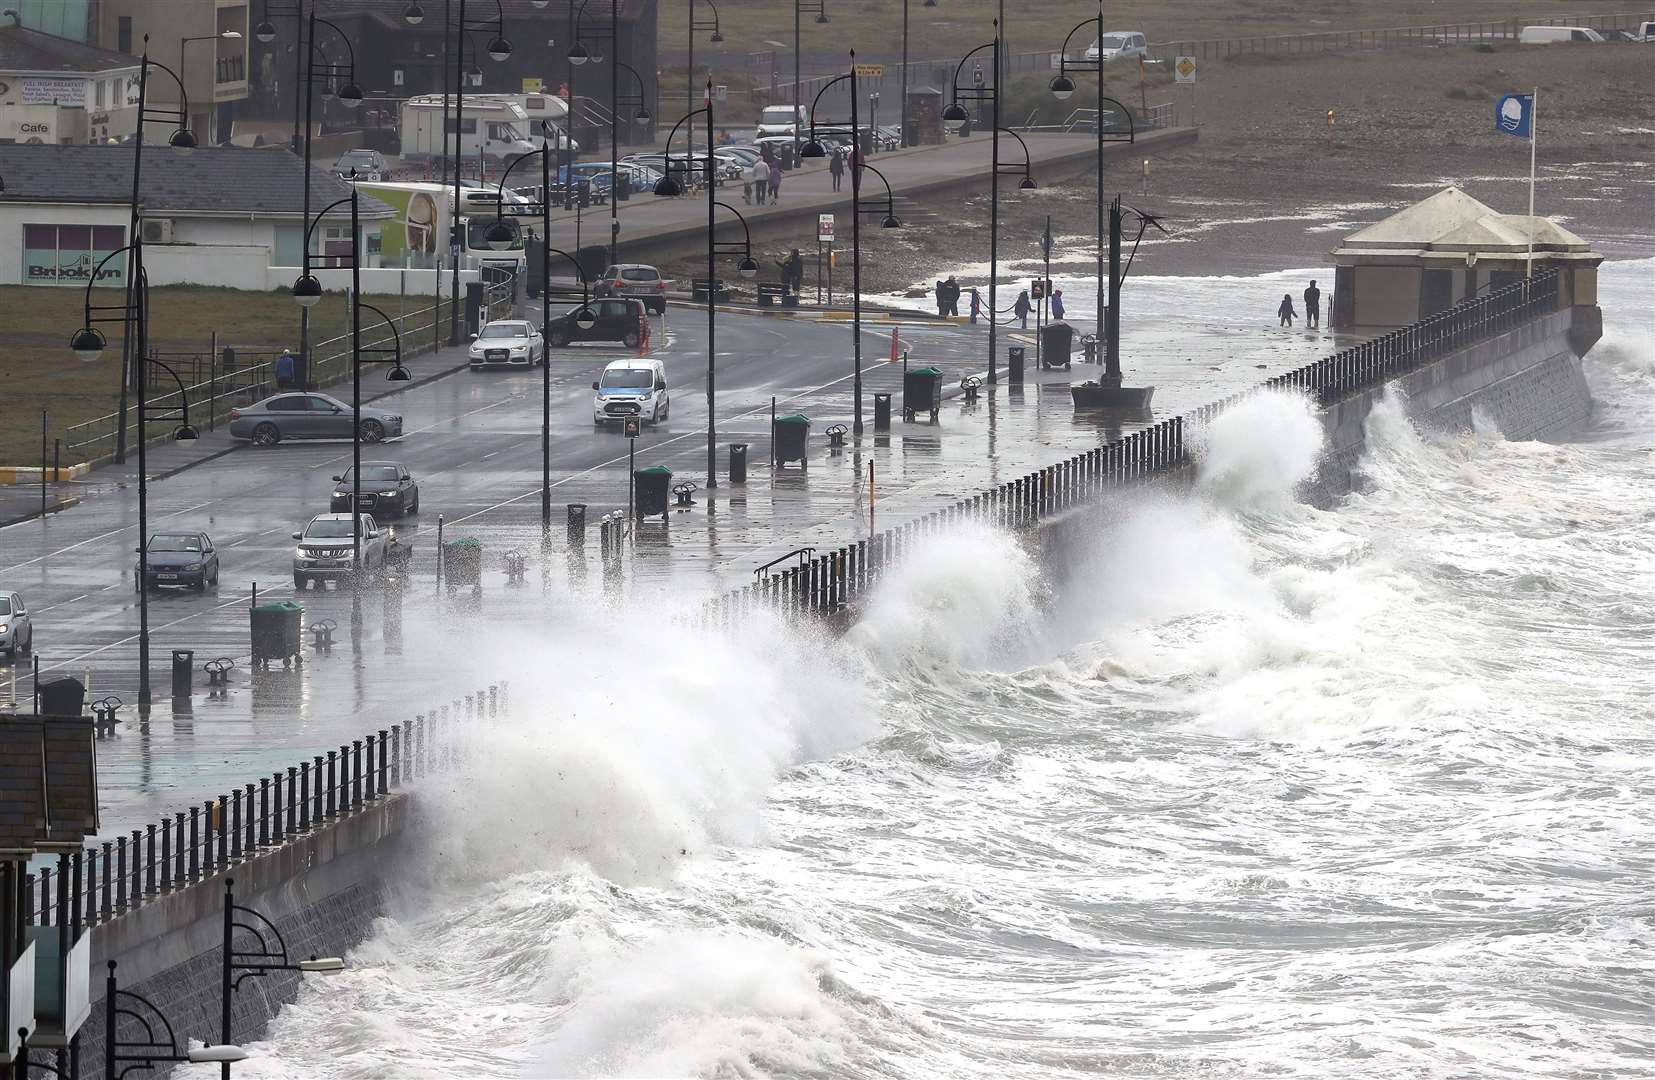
{"x": 628, "y": 388}
{"x": 1119, "y": 45}
{"x": 324, "y": 549}
{"x": 387, "y": 487}
{"x": 507, "y": 342}
{"x": 16, "y": 628}
{"x": 361, "y": 165}
{"x": 177, "y": 560}
{"x": 620, "y": 319}
{"x": 309, "y": 416}
{"x": 637, "y": 280}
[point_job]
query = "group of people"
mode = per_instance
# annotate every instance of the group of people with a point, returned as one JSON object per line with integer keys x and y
{"x": 948, "y": 296}
{"x": 1312, "y": 307}
{"x": 762, "y": 178}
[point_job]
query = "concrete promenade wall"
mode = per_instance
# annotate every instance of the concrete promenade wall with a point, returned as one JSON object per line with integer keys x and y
{"x": 323, "y": 889}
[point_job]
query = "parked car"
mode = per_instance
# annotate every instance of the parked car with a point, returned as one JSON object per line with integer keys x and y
{"x": 387, "y": 488}
{"x": 509, "y": 342}
{"x": 1620, "y": 35}
{"x": 177, "y": 559}
{"x": 619, "y": 319}
{"x": 1552, "y": 35}
{"x": 636, "y": 280}
{"x": 16, "y": 631}
{"x": 746, "y": 153}
{"x": 1126, "y": 45}
{"x": 309, "y": 416}
{"x": 324, "y": 549}
{"x": 631, "y": 388}
{"x": 366, "y": 164}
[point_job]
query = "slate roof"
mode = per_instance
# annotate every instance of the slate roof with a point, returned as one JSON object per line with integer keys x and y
{"x": 22, "y": 49}
{"x": 218, "y": 179}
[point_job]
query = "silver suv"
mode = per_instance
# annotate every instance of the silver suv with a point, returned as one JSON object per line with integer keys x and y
{"x": 324, "y": 549}
{"x": 637, "y": 280}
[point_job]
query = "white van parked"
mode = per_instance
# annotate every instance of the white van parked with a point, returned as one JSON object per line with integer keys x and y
{"x": 1550, "y": 35}
{"x": 1645, "y": 31}
{"x": 636, "y": 387}
{"x": 779, "y": 120}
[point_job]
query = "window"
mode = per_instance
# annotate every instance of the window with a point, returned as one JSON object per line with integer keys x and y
{"x": 5, "y": 605}
{"x": 373, "y": 242}
{"x": 123, "y": 34}
{"x": 320, "y": 404}
{"x": 68, "y": 254}
{"x": 286, "y": 404}
{"x": 396, "y": 77}
{"x": 1578, "y": 35}
{"x": 467, "y": 126}
{"x": 98, "y": 93}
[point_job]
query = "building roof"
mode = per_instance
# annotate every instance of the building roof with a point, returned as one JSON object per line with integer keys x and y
{"x": 22, "y": 49}
{"x": 1418, "y": 225}
{"x": 1453, "y": 225}
{"x": 207, "y": 180}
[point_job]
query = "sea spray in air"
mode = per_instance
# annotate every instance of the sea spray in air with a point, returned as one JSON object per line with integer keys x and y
{"x": 1255, "y": 453}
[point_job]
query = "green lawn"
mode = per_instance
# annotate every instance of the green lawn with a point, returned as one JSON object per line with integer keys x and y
{"x": 37, "y": 370}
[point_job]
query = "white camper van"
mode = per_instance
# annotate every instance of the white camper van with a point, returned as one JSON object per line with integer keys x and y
{"x": 493, "y": 125}
{"x": 549, "y": 109}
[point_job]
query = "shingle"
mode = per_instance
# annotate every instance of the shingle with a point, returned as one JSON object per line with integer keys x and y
{"x": 212, "y": 179}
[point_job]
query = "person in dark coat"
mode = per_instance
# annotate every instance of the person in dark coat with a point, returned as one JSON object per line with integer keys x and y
{"x": 1286, "y": 312}
{"x": 953, "y": 295}
{"x": 836, "y": 168}
{"x": 1057, "y": 304}
{"x": 1313, "y": 305}
{"x": 976, "y": 305}
{"x": 1021, "y": 308}
{"x": 284, "y": 370}
{"x": 942, "y": 297}
{"x": 793, "y": 271}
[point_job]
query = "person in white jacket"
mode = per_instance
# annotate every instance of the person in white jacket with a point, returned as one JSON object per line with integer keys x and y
{"x": 758, "y": 178}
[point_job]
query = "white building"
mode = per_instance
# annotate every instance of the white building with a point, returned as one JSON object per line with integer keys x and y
{"x": 54, "y": 90}
{"x": 224, "y": 216}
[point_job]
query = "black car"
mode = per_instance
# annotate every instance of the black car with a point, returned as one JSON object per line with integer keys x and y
{"x": 177, "y": 559}
{"x": 387, "y": 489}
{"x": 618, "y": 319}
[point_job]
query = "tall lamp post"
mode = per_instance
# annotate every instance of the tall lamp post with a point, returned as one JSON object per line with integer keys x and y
{"x": 498, "y": 49}
{"x": 271, "y": 955}
{"x": 225, "y": 35}
{"x": 800, "y": 7}
{"x": 1063, "y": 86}
{"x": 815, "y": 149}
{"x": 906, "y": 139}
{"x": 717, "y": 38}
{"x": 500, "y": 237}
{"x": 668, "y": 187}
{"x": 954, "y": 118}
{"x": 265, "y": 33}
{"x": 580, "y": 53}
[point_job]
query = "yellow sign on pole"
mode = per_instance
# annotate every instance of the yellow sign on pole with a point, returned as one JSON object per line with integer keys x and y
{"x": 870, "y": 71}
{"x": 533, "y": 86}
{"x": 1185, "y": 67}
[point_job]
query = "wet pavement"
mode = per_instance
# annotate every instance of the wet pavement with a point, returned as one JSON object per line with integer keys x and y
{"x": 473, "y": 443}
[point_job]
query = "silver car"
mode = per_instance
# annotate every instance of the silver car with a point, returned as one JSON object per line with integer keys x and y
{"x": 508, "y": 341}
{"x": 309, "y": 416}
{"x": 16, "y": 631}
{"x": 324, "y": 549}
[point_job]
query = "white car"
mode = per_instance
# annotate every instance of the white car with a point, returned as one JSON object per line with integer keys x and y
{"x": 514, "y": 342}
{"x": 16, "y": 632}
{"x": 324, "y": 549}
{"x": 1125, "y": 45}
{"x": 635, "y": 387}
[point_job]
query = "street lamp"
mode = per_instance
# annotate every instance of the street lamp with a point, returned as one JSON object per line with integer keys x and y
{"x": 716, "y": 38}
{"x": 1063, "y": 86}
{"x": 226, "y": 35}
{"x": 120, "y": 1057}
{"x": 799, "y": 8}
{"x": 255, "y": 964}
{"x": 499, "y": 235}
{"x": 747, "y": 268}
{"x": 906, "y": 139}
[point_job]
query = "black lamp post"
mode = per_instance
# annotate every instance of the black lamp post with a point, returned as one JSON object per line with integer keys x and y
{"x": 716, "y": 38}
{"x": 500, "y": 236}
{"x": 121, "y": 1057}
{"x": 907, "y": 139}
{"x": 224, "y": 35}
{"x": 800, "y": 7}
{"x": 1062, "y": 87}
{"x": 747, "y": 268}
{"x": 581, "y": 53}
{"x": 255, "y": 964}
{"x": 498, "y": 49}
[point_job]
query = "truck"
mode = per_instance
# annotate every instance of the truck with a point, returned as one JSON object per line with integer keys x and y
{"x": 425, "y": 212}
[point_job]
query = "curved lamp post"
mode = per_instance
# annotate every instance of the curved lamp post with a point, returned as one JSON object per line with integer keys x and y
{"x": 120, "y": 1057}
{"x": 668, "y": 187}
{"x": 499, "y": 236}
{"x": 255, "y": 964}
{"x": 1062, "y": 87}
{"x": 819, "y": 7}
{"x": 716, "y": 37}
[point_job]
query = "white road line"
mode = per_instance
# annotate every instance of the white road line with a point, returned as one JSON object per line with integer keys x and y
{"x": 100, "y": 536}
{"x": 65, "y": 603}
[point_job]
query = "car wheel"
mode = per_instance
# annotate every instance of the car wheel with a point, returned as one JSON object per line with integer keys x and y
{"x": 558, "y": 338}
{"x": 631, "y": 339}
{"x": 28, "y": 642}
{"x": 266, "y": 434}
{"x": 372, "y": 431}
{"x": 414, "y": 507}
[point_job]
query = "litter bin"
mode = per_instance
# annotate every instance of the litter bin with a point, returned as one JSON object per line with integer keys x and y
{"x": 882, "y": 412}
{"x": 62, "y": 697}
{"x": 577, "y": 525}
{"x": 183, "y": 668}
{"x": 651, "y": 488}
{"x": 921, "y": 392}
{"x": 738, "y": 463}
{"x": 1014, "y": 364}
{"x": 462, "y": 561}
{"x": 276, "y": 632}
{"x": 623, "y": 186}
{"x": 790, "y": 436}
{"x": 1055, "y": 341}
{"x": 473, "y": 307}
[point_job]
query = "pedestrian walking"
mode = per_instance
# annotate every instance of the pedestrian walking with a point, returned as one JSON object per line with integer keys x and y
{"x": 942, "y": 297}
{"x": 1057, "y": 304}
{"x": 1286, "y": 311}
{"x": 793, "y": 272}
{"x": 976, "y": 305}
{"x": 775, "y": 181}
{"x": 953, "y": 295}
{"x": 758, "y": 178}
{"x": 1313, "y": 305}
{"x": 285, "y": 365}
{"x": 836, "y": 168}
{"x": 1021, "y": 308}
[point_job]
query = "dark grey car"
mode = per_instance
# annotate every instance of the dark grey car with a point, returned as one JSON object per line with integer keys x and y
{"x": 309, "y": 416}
{"x": 387, "y": 488}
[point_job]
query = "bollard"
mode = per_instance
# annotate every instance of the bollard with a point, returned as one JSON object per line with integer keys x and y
{"x": 738, "y": 462}
{"x": 1014, "y": 364}
{"x": 183, "y": 662}
{"x": 576, "y": 527}
{"x": 882, "y": 412}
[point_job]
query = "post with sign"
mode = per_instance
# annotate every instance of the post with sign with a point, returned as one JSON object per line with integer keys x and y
{"x": 1183, "y": 69}
{"x": 824, "y": 238}
{"x": 633, "y": 424}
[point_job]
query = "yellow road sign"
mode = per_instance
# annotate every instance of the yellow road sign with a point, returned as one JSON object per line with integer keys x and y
{"x": 1185, "y": 67}
{"x": 870, "y": 71}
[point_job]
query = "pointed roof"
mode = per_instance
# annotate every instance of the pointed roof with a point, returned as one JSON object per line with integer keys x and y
{"x": 1451, "y": 225}
{"x": 1421, "y": 224}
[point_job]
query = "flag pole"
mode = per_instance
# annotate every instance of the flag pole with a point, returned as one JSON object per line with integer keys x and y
{"x": 1534, "y": 139}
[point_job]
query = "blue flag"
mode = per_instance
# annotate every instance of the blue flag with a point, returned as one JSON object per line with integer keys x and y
{"x": 1514, "y": 115}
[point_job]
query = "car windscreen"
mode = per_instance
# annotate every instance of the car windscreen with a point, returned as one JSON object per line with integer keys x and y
{"x": 778, "y": 114}
{"x": 628, "y": 379}
{"x": 357, "y": 157}
{"x": 1112, "y": 41}
{"x": 332, "y": 528}
{"x": 174, "y": 542}
{"x": 5, "y": 605}
{"x": 375, "y": 474}
{"x": 504, "y": 330}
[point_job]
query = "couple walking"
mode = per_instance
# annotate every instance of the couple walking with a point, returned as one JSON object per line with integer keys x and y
{"x": 1312, "y": 307}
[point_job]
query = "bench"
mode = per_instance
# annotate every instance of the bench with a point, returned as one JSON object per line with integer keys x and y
{"x": 698, "y": 290}
{"x": 771, "y": 293}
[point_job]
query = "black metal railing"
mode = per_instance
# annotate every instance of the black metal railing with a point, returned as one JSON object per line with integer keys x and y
{"x": 825, "y": 582}
{"x": 118, "y": 876}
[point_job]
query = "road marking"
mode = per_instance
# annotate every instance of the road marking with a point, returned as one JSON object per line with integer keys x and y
{"x": 100, "y": 536}
{"x": 65, "y": 603}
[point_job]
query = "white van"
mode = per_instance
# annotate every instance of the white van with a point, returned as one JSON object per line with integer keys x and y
{"x": 1645, "y": 31}
{"x": 1548, "y": 35}
{"x": 1119, "y": 45}
{"x": 636, "y": 387}
{"x": 779, "y": 120}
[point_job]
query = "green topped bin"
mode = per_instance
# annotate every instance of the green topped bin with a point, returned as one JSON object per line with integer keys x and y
{"x": 921, "y": 392}
{"x": 276, "y": 632}
{"x": 790, "y": 436}
{"x": 651, "y": 489}
{"x": 462, "y": 561}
